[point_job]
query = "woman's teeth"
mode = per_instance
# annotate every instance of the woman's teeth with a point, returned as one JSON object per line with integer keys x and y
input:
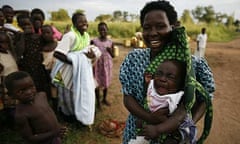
{"x": 155, "y": 43}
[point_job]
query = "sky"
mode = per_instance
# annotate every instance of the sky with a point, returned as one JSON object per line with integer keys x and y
{"x": 94, "y": 8}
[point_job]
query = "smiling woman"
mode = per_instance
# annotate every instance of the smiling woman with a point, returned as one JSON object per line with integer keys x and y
{"x": 158, "y": 19}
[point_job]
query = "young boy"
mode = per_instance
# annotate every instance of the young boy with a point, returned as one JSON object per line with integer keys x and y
{"x": 34, "y": 117}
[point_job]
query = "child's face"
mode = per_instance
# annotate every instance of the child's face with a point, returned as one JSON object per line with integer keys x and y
{"x": 37, "y": 21}
{"x": 167, "y": 78}
{"x": 9, "y": 14}
{"x": 4, "y": 41}
{"x": 81, "y": 24}
{"x": 26, "y": 25}
{"x": 24, "y": 90}
{"x": 47, "y": 33}
{"x": 102, "y": 31}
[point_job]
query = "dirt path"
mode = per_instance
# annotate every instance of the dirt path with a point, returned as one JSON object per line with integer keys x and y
{"x": 224, "y": 60}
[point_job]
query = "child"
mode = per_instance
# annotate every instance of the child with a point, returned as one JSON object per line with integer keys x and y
{"x": 103, "y": 66}
{"x": 166, "y": 89}
{"x": 7, "y": 65}
{"x": 48, "y": 46}
{"x": 28, "y": 48}
{"x": 34, "y": 117}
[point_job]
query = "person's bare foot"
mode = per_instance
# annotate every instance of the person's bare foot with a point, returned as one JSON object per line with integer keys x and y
{"x": 105, "y": 102}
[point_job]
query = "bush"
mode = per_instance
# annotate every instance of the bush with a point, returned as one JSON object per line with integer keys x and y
{"x": 125, "y": 30}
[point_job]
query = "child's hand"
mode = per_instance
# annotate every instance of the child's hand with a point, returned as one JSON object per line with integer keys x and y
{"x": 150, "y": 131}
{"x": 109, "y": 49}
{"x": 63, "y": 131}
{"x": 90, "y": 54}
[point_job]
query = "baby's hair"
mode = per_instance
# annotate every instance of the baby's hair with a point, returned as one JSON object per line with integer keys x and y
{"x": 103, "y": 23}
{"x": 159, "y": 5}
{"x": 12, "y": 77}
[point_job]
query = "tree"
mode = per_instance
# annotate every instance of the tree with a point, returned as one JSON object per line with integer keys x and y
{"x": 204, "y": 14}
{"x": 125, "y": 16}
{"x": 237, "y": 25}
{"x": 209, "y": 16}
{"x": 186, "y": 17}
{"x": 80, "y": 11}
{"x": 117, "y": 15}
{"x": 104, "y": 17}
{"x": 198, "y": 13}
{"x": 59, "y": 15}
{"x": 220, "y": 18}
{"x": 230, "y": 21}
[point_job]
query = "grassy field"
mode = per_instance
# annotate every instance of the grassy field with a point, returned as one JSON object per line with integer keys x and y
{"x": 124, "y": 30}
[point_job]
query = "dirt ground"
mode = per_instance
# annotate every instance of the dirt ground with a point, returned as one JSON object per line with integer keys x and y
{"x": 224, "y": 60}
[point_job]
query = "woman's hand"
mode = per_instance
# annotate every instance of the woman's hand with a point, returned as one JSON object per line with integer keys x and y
{"x": 150, "y": 131}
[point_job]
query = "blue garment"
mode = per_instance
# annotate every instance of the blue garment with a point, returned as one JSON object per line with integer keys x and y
{"x": 132, "y": 80}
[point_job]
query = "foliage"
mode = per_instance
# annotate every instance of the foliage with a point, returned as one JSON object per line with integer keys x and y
{"x": 60, "y": 15}
{"x": 207, "y": 15}
{"x": 80, "y": 11}
{"x": 104, "y": 17}
{"x": 230, "y": 21}
{"x": 123, "y": 30}
{"x": 117, "y": 15}
{"x": 186, "y": 17}
{"x": 215, "y": 32}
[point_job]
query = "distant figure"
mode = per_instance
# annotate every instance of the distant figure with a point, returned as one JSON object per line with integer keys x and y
{"x": 35, "y": 120}
{"x": 201, "y": 43}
